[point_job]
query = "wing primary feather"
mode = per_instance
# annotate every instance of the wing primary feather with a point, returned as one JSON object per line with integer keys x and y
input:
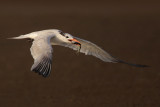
{"x": 49, "y": 70}
{"x": 136, "y": 65}
{"x": 44, "y": 66}
{"x": 39, "y": 66}
{"x": 45, "y": 74}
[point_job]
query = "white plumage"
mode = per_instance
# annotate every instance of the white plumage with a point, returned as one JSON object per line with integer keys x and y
{"x": 41, "y": 49}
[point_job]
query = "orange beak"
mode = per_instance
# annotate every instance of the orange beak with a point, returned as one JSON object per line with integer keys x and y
{"x": 74, "y": 41}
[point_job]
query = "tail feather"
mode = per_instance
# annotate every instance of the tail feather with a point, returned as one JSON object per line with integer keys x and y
{"x": 19, "y": 37}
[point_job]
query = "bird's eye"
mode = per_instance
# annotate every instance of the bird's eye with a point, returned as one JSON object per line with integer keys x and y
{"x": 62, "y": 33}
{"x": 67, "y": 37}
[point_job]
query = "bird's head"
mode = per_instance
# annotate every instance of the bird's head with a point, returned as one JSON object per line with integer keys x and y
{"x": 69, "y": 39}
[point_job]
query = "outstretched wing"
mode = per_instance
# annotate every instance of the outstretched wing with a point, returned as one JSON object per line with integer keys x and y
{"x": 89, "y": 48}
{"x": 41, "y": 51}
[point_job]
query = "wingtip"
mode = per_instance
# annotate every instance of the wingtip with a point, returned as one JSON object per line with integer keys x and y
{"x": 143, "y": 66}
{"x": 135, "y": 65}
{"x": 43, "y": 68}
{"x": 40, "y": 73}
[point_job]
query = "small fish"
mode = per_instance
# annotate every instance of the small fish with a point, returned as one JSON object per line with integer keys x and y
{"x": 78, "y": 50}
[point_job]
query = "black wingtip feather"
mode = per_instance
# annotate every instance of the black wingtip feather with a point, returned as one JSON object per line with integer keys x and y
{"x": 136, "y": 65}
{"x": 43, "y": 68}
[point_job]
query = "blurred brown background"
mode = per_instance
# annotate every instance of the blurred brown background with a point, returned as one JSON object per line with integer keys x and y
{"x": 127, "y": 30}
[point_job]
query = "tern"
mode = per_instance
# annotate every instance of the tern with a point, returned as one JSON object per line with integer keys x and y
{"x": 41, "y": 49}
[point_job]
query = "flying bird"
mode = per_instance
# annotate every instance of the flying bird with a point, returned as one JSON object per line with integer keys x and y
{"x": 41, "y": 49}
